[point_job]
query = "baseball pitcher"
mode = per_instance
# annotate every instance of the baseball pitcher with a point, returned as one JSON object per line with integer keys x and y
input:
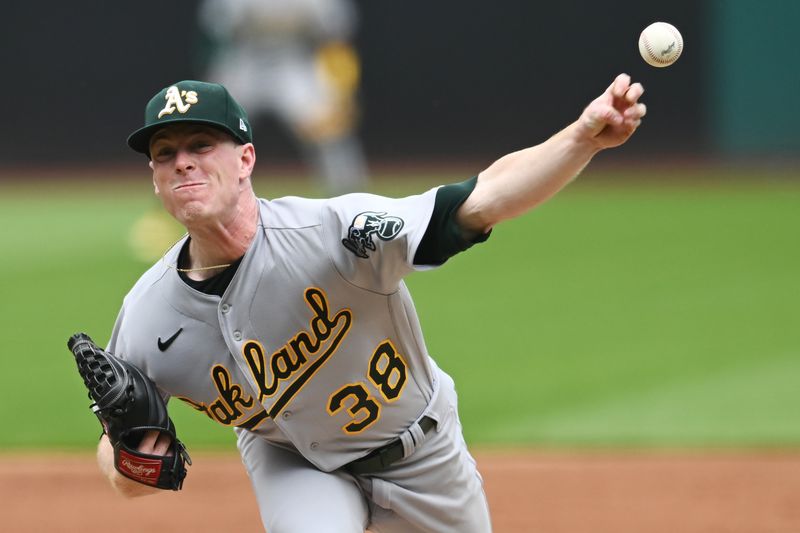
{"x": 288, "y": 320}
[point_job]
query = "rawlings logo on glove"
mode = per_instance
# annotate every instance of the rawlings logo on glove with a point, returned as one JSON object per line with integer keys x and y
{"x": 128, "y": 404}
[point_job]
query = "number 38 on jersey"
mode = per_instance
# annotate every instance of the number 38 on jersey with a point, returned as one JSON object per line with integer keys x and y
{"x": 386, "y": 375}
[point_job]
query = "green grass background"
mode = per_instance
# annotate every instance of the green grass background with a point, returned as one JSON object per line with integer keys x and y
{"x": 637, "y": 311}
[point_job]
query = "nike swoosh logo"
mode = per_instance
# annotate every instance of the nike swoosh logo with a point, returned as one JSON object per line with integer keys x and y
{"x": 163, "y": 345}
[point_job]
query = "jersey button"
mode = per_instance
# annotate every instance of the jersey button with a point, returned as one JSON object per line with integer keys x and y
{"x": 314, "y": 445}
{"x": 225, "y": 308}
{"x": 237, "y": 335}
{"x": 287, "y": 415}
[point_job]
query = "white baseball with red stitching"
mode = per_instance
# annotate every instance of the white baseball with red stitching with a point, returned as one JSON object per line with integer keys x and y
{"x": 660, "y": 44}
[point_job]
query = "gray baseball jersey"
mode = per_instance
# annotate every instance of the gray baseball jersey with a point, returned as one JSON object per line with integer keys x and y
{"x": 315, "y": 347}
{"x": 316, "y": 341}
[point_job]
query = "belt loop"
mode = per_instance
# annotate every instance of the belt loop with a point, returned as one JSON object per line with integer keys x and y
{"x": 408, "y": 443}
{"x": 412, "y": 438}
{"x": 418, "y": 434}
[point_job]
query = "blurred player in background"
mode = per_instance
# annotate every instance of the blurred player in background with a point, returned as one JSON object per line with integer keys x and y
{"x": 289, "y": 59}
{"x": 293, "y": 60}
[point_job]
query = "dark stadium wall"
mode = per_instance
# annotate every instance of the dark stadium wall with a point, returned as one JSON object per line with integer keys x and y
{"x": 440, "y": 79}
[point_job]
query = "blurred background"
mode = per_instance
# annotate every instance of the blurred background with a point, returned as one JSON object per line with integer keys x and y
{"x": 458, "y": 80}
{"x": 653, "y": 303}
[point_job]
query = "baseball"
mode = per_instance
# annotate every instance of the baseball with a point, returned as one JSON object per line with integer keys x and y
{"x": 660, "y": 44}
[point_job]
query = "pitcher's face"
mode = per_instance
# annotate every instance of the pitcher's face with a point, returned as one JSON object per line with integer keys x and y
{"x": 198, "y": 172}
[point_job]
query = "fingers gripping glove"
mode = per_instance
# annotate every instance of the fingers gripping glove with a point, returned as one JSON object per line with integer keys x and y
{"x": 128, "y": 404}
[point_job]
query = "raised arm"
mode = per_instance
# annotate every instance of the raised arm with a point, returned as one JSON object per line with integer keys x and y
{"x": 521, "y": 180}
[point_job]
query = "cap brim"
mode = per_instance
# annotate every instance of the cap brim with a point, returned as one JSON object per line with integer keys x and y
{"x": 139, "y": 140}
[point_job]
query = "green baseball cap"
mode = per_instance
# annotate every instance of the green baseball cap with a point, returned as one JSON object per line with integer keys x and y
{"x": 195, "y": 102}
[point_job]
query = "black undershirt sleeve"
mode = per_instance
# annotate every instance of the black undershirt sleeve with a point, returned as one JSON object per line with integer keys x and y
{"x": 444, "y": 238}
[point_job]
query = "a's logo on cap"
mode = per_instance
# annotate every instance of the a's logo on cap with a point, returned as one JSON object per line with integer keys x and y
{"x": 242, "y": 125}
{"x": 177, "y": 99}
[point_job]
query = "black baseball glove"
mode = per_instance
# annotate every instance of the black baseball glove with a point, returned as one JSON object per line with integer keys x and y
{"x": 128, "y": 404}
